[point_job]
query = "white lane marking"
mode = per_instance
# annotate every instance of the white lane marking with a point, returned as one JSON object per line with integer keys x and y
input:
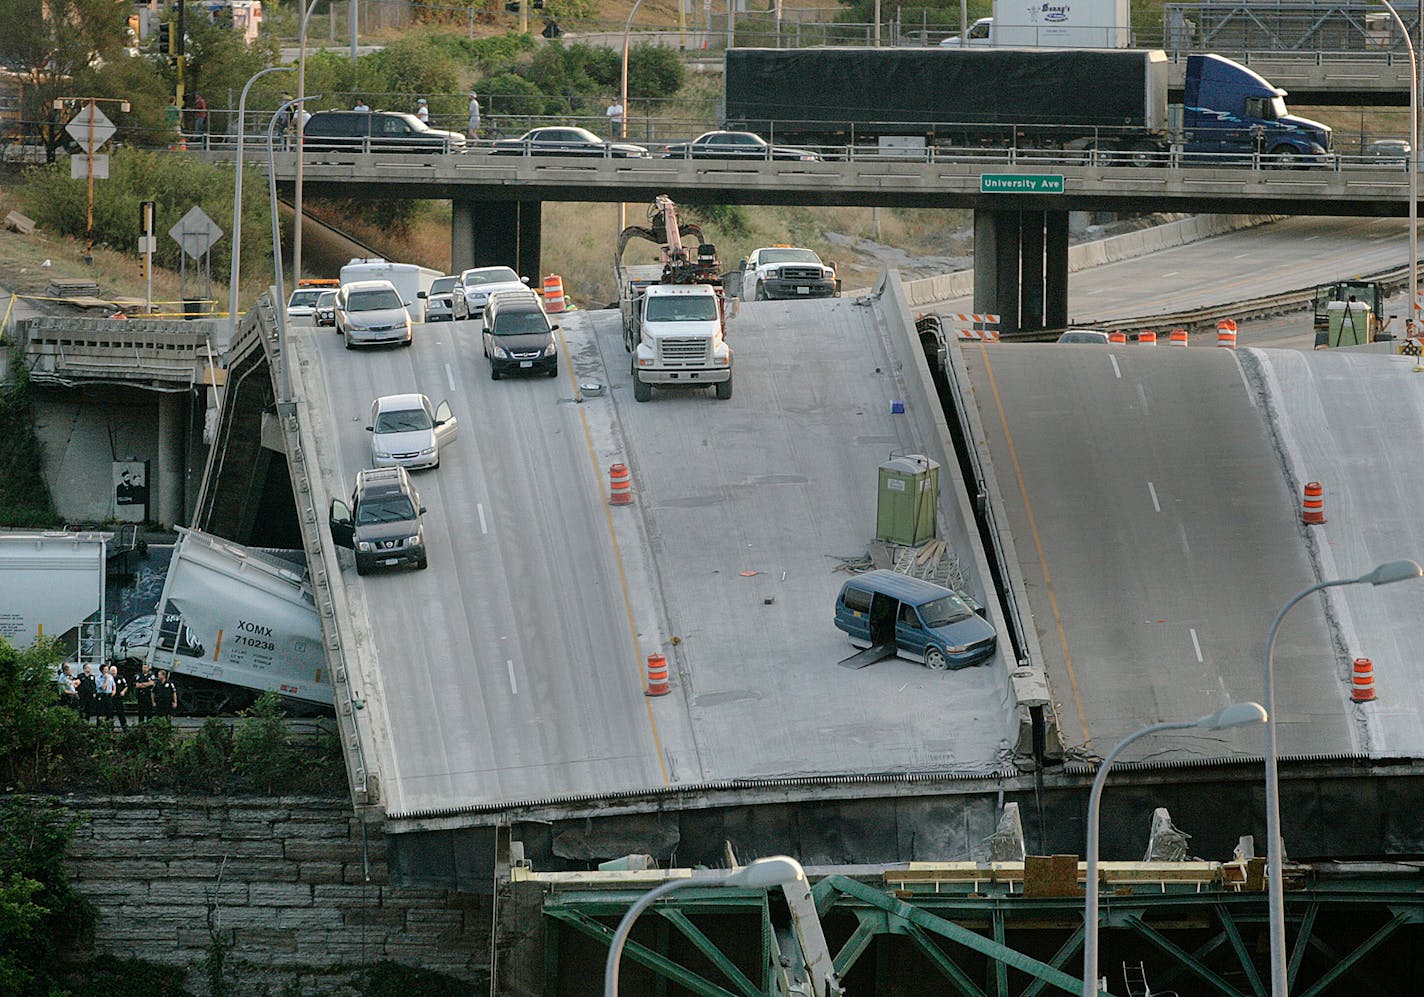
{"x": 1310, "y": 238}
{"x": 1172, "y": 274}
{"x": 1153, "y": 492}
{"x": 515, "y": 685}
{"x": 1142, "y": 397}
{"x": 1182, "y": 536}
{"x": 1117, "y": 372}
{"x": 1196, "y": 646}
{"x": 480, "y": 508}
{"x": 1097, "y": 291}
{"x": 1242, "y": 256}
{"x": 450, "y": 376}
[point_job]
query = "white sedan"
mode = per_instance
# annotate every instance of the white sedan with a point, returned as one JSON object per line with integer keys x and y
{"x": 409, "y": 431}
{"x": 481, "y": 282}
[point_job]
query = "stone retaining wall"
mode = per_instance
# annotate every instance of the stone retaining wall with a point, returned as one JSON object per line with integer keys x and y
{"x": 288, "y": 880}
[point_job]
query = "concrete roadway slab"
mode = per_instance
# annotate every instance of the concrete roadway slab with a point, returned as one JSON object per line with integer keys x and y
{"x": 512, "y": 669}
{"x": 781, "y": 480}
{"x": 1353, "y": 421}
{"x": 507, "y": 669}
{"x": 1157, "y": 539}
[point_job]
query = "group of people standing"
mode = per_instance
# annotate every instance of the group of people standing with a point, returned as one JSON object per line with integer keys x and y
{"x": 101, "y": 696}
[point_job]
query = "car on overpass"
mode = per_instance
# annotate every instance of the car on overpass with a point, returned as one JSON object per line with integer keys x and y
{"x": 324, "y": 313}
{"x": 775, "y": 272}
{"x": 370, "y": 312}
{"x": 480, "y": 282}
{"x": 408, "y": 430}
{"x": 445, "y": 301}
{"x": 1095, "y": 336}
{"x": 376, "y": 131}
{"x": 383, "y": 523}
{"x": 565, "y": 141}
{"x": 735, "y": 145}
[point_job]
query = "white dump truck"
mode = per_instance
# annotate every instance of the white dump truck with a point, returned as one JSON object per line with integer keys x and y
{"x": 676, "y": 335}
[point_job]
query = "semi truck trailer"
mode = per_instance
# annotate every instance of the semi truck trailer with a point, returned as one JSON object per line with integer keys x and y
{"x": 1113, "y": 100}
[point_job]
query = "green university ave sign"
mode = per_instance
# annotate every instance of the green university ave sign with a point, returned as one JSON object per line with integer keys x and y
{"x": 1020, "y": 183}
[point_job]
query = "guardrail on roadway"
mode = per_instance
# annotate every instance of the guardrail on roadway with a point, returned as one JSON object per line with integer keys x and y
{"x": 70, "y": 350}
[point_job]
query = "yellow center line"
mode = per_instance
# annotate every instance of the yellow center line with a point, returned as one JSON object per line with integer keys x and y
{"x": 617, "y": 553}
{"x": 1038, "y": 546}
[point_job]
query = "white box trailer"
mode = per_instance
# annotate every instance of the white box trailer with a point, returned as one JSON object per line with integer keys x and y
{"x": 52, "y": 585}
{"x": 1053, "y": 24}
{"x": 233, "y": 614}
{"x": 409, "y": 279}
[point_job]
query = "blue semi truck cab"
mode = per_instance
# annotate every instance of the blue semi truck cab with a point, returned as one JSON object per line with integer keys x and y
{"x": 1227, "y": 110}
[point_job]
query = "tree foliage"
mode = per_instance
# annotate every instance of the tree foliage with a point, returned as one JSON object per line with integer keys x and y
{"x": 53, "y": 41}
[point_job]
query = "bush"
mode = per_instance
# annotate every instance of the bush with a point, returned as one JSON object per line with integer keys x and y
{"x": 175, "y": 183}
{"x": 24, "y": 496}
{"x": 654, "y": 71}
{"x": 39, "y": 913}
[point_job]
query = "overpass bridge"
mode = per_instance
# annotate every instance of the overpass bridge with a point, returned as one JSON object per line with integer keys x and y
{"x": 1021, "y": 238}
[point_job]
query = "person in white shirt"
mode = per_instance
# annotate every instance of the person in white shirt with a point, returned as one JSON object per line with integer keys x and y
{"x": 422, "y": 111}
{"x": 615, "y": 118}
{"x": 361, "y": 105}
{"x": 474, "y": 129}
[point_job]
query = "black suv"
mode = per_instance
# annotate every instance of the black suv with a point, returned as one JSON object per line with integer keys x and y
{"x": 382, "y": 525}
{"x": 376, "y": 131}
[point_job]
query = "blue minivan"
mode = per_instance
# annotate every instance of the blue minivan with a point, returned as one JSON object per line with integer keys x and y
{"x": 926, "y": 622}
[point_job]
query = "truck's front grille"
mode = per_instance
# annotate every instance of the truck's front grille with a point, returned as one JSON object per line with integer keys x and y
{"x": 684, "y": 351}
{"x": 800, "y": 273}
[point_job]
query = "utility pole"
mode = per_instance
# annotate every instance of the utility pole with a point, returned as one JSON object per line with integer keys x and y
{"x": 179, "y": 50}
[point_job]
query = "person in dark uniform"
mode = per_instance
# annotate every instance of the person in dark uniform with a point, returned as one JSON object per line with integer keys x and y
{"x": 88, "y": 692}
{"x": 121, "y": 688}
{"x": 144, "y": 683}
{"x": 165, "y": 694}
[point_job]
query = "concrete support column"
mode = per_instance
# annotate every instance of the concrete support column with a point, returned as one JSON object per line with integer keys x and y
{"x": 484, "y": 233}
{"x": 1032, "y": 291}
{"x": 1055, "y": 275}
{"x": 171, "y": 450}
{"x": 462, "y": 235}
{"x": 1021, "y": 268}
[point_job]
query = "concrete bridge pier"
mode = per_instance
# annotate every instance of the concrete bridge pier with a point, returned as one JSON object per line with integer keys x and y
{"x": 491, "y": 233}
{"x": 1021, "y": 268}
{"x": 172, "y": 451}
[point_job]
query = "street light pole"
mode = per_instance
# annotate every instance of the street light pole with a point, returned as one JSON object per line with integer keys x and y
{"x": 284, "y": 379}
{"x": 1385, "y": 574}
{"x": 301, "y": 96}
{"x": 1412, "y": 162}
{"x": 236, "y": 273}
{"x": 623, "y": 96}
{"x": 1235, "y": 715}
{"x": 775, "y": 870}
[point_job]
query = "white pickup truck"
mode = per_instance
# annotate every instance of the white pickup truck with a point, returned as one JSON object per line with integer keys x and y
{"x": 675, "y": 333}
{"x": 787, "y": 272}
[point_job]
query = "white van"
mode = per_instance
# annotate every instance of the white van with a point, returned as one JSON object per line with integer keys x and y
{"x": 407, "y": 278}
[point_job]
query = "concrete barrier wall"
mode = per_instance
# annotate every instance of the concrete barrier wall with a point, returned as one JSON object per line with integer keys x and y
{"x": 951, "y": 286}
{"x": 956, "y": 512}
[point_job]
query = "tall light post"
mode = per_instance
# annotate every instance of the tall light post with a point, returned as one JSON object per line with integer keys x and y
{"x": 284, "y": 380}
{"x": 775, "y": 870}
{"x": 301, "y": 96}
{"x": 1412, "y": 160}
{"x": 623, "y": 95}
{"x": 1235, "y": 715}
{"x": 1385, "y": 574}
{"x": 236, "y": 273}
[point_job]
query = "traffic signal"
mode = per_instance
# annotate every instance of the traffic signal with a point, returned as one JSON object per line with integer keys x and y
{"x": 165, "y": 38}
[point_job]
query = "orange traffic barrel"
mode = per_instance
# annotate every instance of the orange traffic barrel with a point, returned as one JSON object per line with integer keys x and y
{"x": 1362, "y": 684}
{"x": 1178, "y": 337}
{"x": 1312, "y": 510}
{"x": 1226, "y": 333}
{"x": 553, "y": 293}
{"x": 620, "y": 485}
{"x": 657, "y": 676}
{"x": 1148, "y": 337}
{"x": 1117, "y": 337}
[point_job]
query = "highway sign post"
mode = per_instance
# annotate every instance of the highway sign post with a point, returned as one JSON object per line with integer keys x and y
{"x": 91, "y": 128}
{"x": 195, "y": 234}
{"x": 1020, "y": 183}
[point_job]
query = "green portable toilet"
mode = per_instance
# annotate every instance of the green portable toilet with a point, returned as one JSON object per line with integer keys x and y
{"x": 907, "y": 500}
{"x": 1349, "y": 322}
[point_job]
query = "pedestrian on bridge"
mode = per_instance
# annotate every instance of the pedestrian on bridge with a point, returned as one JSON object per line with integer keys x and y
{"x": 422, "y": 111}
{"x": 361, "y": 105}
{"x": 200, "y": 114}
{"x": 615, "y": 118}
{"x": 474, "y": 129}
